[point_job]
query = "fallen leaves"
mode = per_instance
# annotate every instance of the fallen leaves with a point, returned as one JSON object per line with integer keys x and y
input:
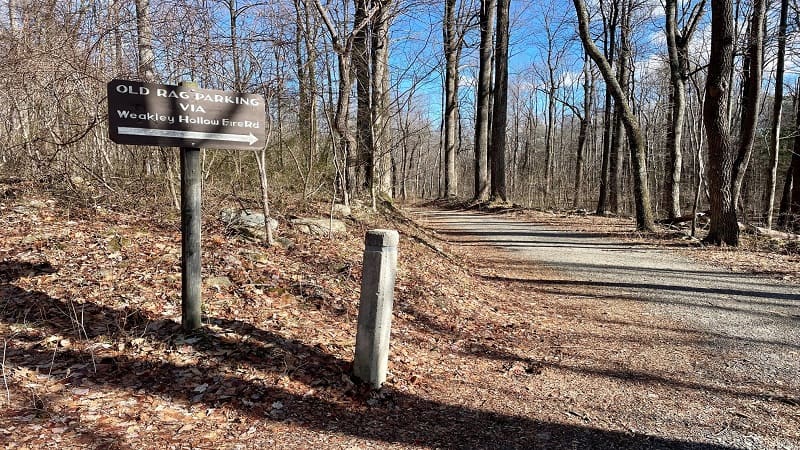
{"x": 97, "y": 357}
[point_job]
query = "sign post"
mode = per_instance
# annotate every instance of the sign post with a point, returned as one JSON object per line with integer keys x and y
{"x": 191, "y": 230}
{"x": 191, "y": 118}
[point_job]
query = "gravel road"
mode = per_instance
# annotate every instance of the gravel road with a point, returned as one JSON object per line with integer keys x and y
{"x": 749, "y": 325}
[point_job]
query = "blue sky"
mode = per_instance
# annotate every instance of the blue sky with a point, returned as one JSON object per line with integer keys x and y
{"x": 417, "y": 42}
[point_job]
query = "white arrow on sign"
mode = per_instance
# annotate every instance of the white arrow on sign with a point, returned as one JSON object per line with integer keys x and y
{"x": 249, "y": 138}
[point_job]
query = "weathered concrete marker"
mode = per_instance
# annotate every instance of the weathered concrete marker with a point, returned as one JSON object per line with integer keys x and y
{"x": 375, "y": 307}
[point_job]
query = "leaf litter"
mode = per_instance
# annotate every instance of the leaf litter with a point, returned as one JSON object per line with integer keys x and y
{"x": 95, "y": 356}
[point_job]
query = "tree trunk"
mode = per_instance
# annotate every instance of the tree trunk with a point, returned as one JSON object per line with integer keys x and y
{"x": 450, "y": 97}
{"x": 340, "y": 122}
{"x": 144, "y": 31}
{"x": 794, "y": 203}
{"x": 233, "y": 15}
{"x": 777, "y": 110}
{"x": 785, "y": 211}
{"x": 549, "y": 133}
{"x": 15, "y": 15}
{"x": 500, "y": 107}
{"x": 641, "y": 191}
{"x": 616, "y": 158}
{"x": 343, "y": 47}
{"x": 483, "y": 95}
{"x": 724, "y": 228}
{"x": 382, "y": 157}
{"x": 362, "y": 69}
{"x": 700, "y": 160}
{"x": 261, "y": 162}
{"x": 617, "y": 155}
{"x": 306, "y": 60}
{"x": 609, "y": 46}
{"x": 602, "y": 200}
{"x": 677, "y": 96}
{"x": 116, "y": 36}
{"x": 588, "y": 98}
{"x": 751, "y": 91}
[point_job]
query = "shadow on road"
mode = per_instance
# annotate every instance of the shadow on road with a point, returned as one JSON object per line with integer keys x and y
{"x": 670, "y": 288}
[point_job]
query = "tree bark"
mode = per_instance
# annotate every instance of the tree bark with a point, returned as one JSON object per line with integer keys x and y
{"x": 483, "y": 95}
{"x": 677, "y": 95}
{"x": 785, "y": 211}
{"x": 450, "y": 97}
{"x": 261, "y": 162}
{"x": 644, "y": 213}
{"x": 233, "y": 16}
{"x": 724, "y": 228}
{"x": 144, "y": 36}
{"x": 602, "y": 200}
{"x": 306, "y": 60}
{"x": 115, "y": 37}
{"x": 609, "y": 46}
{"x": 677, "y": 102}
{"x": 793, "y": 212}
{"x": 552, "y": 84}
{"x": 677, "y": 49}
{"x": 586, "y": 119}
{"x": 500, "y": 107}
{"x": 382, "y": 157}
{"x": 777, "y": 111}
{"x": 362, "y": 69}
{"x": 549, "y": 133}
{"x": 15, "y": 15}
{"x": 751, "y": 91}
{"x": 617, "y": 155}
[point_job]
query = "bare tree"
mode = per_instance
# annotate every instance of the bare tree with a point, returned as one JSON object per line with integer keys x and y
{"x": 14, "y": 13}
{"x": 678, "y": 51}
{"x": 382, "y": 156}
{"x": 556, "y": 49}
{"x": 452, "y": 51}
{"x": 727, "y": 164}
{"x": 500, "y": 106}
{"x": 145, "y": 41}
{"x": 362, "y": 68}
{"x": 790, "y": 201}
{"x": 586, "y": 119}
{"x": 616, "y": 153}
{"x": 610, "y": 22}
{"x": 777, "y": 111}
{"x": 724, "y": 227}
{"x": 644, "y": 213}
{"x": 483, "y": 100}
{"x": 261, "y": 163}
{"x": 751, "y": 91}
{"x": 343, "y": 47}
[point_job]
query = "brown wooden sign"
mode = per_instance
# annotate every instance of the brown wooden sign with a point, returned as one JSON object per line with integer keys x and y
{"x": 181, "y": 116}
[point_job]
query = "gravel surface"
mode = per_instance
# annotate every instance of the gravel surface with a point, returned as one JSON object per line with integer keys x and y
{"x": 745, "y": 329}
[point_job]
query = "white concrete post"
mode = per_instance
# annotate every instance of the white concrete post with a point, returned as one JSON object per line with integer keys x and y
{"x": 375, "y": 307}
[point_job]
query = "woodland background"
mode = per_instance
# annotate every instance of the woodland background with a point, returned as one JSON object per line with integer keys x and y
{"x": 485, "y": 100}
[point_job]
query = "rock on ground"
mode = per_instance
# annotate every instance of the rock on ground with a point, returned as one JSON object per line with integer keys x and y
{"x": 321, "y": 226}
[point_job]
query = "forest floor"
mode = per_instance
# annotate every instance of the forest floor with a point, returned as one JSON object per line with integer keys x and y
{"x": 488, "y": 350}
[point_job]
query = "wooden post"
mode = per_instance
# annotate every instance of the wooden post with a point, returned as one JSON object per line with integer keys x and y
{"x": 375, "y": 307}
{"x": 191, "y": 279}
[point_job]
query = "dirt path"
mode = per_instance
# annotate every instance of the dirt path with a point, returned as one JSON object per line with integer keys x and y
{"x": 667, "y": 347}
